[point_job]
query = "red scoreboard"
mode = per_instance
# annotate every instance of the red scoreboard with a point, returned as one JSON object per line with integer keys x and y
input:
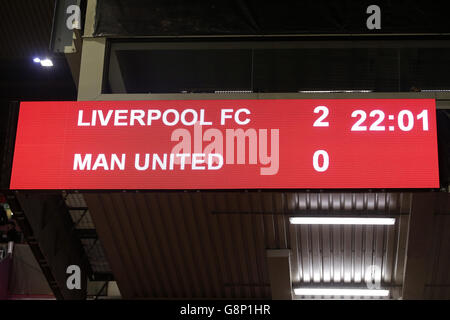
{"x": 227, "y": 144}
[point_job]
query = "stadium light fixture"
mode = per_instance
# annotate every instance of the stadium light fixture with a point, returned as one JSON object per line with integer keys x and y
{"x": 341, "y": 292}
{"x": 44, "y": 62}
{"x": 342, "y": 220}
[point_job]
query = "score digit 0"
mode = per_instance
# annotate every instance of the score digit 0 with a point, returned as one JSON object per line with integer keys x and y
{"x": 325, "y": 162}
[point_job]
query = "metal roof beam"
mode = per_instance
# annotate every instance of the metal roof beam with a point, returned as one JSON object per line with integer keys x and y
{"x": 47, "y": 226}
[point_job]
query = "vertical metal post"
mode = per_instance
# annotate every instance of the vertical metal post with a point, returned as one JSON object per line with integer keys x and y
{"x": 91, "y": 72}
{"x": 279, "y": 264}
{"x": 420, "y": 237}
{"x": 92, "y": 58}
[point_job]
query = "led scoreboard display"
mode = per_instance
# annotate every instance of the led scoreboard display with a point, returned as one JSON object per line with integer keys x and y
{"x": 227, "y": 144}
